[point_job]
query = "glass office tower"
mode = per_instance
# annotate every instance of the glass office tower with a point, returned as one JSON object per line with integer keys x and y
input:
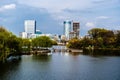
{"x": 67, "y": 29}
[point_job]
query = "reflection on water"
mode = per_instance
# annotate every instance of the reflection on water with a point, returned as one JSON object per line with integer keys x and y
{"x": 62, "y": 66}
{"x": 7, "y": 69}
{"x": 44, "y": 58}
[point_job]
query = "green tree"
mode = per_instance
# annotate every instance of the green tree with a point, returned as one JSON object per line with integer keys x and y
{"x": 118, "y": 39}
{"x": 74, "y": 44}
{"x": 96, "y": 33}
{"x": 54, "y": 42}
{"x": 26, "y": 42}
{"x": 4, "y": 50}
{"x": 42, "y": 41}
{"x": 26, "y": 45}
{"x": 14, "y": 44}
{"x": 102, "y": 37}
{"x": 86, "y": 42}
{"x": 9, "y": 44}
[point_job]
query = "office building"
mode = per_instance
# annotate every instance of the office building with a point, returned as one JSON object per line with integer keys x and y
{"x": 30, "y": 26}
{"x": 76, "y": 29}
{"x": 67, "y": 29}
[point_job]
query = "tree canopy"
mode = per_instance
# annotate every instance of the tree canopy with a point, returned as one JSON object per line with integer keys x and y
{"x": 99, "y": 38}
{"x": 9, "y": 44}
{"x": 42, "y": 41}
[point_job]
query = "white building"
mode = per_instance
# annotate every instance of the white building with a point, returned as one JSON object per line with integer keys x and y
{"x": 51, "y": 36}
{"x": 30, "y": 27}
{"x": 23, "y": 35}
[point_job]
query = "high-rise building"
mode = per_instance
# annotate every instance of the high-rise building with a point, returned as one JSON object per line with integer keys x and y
{"x": 67, "y": 29}
{"x": 30, "y": 26}
{"x": 76, "y": 29}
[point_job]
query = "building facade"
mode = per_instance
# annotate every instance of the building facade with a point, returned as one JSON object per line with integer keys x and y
{"x": 23, "y": 34}
{"x": 67, "y": 29}
{"x": 30, "y": 27}
{"x": 76, "y": 29}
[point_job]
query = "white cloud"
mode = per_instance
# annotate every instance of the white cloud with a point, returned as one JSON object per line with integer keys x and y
{"x": 57, "y": 8}
{"x": 8, "y": 7}
{"x": 102, "y": 17}
{"x": 57, "y": 5}
{"x": 90, "y": 25}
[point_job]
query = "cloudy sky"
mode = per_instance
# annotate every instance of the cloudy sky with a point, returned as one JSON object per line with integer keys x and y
{"x": 50, "y": 14}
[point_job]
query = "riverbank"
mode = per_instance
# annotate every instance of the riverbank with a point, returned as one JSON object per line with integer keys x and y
{"x": 85, "y": 51}
{"x": 75, "y": 50}
{"x": 102, "y": 51}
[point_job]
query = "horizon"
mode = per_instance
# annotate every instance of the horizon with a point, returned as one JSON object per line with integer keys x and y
{"x": 49, "y": 17}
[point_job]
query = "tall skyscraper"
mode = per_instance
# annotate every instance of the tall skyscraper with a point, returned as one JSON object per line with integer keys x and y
{"x": 76, "y": 29}
{"x": 30, "y": 26}
{"x": 67, "y": 29}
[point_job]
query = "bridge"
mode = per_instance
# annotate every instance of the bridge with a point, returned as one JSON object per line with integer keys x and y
{"x": 59, "y": 49}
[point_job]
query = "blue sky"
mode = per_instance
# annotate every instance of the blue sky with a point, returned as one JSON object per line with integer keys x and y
{"x": 50, "y": 14}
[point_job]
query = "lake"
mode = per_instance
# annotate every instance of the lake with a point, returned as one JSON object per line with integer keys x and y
{"x": 62, "y": 66}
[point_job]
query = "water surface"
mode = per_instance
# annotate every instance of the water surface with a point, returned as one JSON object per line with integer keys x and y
{"x": 62, "y": 66}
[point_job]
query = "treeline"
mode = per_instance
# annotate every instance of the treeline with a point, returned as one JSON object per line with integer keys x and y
{"x": 97, "y": 38}
{"x": 13, "y": 45}
{"x": 36, "y": 43}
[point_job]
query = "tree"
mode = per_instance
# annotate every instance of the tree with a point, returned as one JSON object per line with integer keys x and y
{"x": 42, "y": 41}
{"x": 74, "y": 44}
{"x": 14, "y": 44}
{"x": 102, "y": 37}
{"x": 9, "y": 44}
{"x": 85, "y": 42}
{"x": 26, "y": 42}
{"x": 96, "y": 32}
{"x": 26, "y": 45}
{"x": 4, "y": 50}
{"x": 118, "y": 39}
{"x": 54, "y": 42}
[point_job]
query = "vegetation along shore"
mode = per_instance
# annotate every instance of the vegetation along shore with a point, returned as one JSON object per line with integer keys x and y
{"x": 97, "y": 42}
